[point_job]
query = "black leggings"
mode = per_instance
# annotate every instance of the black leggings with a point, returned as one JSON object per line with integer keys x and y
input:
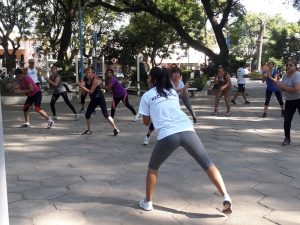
{"x": 289, "y": 111}
{"x": 64, "y": 95}
{"x": 278, "y": 96}
{"x": 95, "y": 101}
{"x": 125, "y": 101}
{"x": 189, "y": 140}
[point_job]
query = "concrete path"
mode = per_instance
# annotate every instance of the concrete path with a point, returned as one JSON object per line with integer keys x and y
{"x": 59, "y": 177}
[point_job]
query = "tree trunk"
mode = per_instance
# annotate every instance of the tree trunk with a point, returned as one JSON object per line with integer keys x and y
{"x": 65, "y": 38}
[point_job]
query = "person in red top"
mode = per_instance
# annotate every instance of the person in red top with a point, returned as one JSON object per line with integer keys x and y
{"x": 28, "y": 87}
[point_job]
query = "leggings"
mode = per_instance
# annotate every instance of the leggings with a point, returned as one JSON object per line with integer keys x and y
{"x": 95, "y": 101}
{"x": 64, "y": 95}
{"x": 125, "y": 101}
{"x": 186, "y": 101}
{"x": 218, "y": 97}
{"x": 188, "y": 140}
{"x": 278, "y": 96}
{"x": 289, "y": 111}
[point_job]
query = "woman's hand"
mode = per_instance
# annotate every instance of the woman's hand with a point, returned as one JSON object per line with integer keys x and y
{"x": 280, "y": 84}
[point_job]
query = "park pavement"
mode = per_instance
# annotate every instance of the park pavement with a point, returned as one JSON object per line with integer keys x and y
{"x": 59, "y": 177}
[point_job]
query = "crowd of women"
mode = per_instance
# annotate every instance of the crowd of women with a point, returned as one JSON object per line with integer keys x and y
{"x": 160, "y": 110}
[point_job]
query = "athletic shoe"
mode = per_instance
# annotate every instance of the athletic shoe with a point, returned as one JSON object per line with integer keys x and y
{"x": 82, "y": 110}
{"x": 286, "y": 142}
{"x": 50, "y": 123}
{"x": 228, "y": 114}
{"x": 282, "y": 113}
{"x": 147, "y": 206}
{"x": 233, "y": 102}
{"x": 54, "y": 117}
{"x": 216, "y": 113}
{"x": 227, "y": 205}
{"x": 146, "y": 140}
{"x": 135, "y": 118}
{"x": 87, "y": 132}
{"x": 25, "y": 125}
{"x": 76, "y": 117}
{"x": 247, "y": 102}
{"x": 116, "y": 132}
{"x": 264, "y": 115}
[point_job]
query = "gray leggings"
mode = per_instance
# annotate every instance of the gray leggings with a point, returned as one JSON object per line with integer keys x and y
{"x": 187, "y": 103}
{"x": 188, "y": 140}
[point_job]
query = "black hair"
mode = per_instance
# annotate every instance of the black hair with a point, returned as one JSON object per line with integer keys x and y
{"x": 161, "y": 80}
{"x": 174, "y": 70}
{"x": 110, "y": 71}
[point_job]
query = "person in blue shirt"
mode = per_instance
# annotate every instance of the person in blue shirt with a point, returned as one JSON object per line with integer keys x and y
{"x": 269, "y": 72}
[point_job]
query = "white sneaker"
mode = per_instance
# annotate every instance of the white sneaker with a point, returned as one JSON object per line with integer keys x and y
{"x": 135, "y": 118}
{"x": 147, "y": 206}
{"x": 25, "y": 125}
{"x": 227, "y": 205}
{"x": 50, "y": 123}
{"x": 146, "y": 140}
{"x": 228, "y": 114}
{"x": 76, "y": 117}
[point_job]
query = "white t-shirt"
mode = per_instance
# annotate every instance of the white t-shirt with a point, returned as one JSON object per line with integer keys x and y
{"x": 291, "y": 82}
{"x": 165, "y": 113}
{"x": 33, "y": 74}
{"x": 179, "y": 86}
{"x": 240, "y": 75}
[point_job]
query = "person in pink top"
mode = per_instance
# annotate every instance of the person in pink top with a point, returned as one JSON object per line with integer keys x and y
{"x": 119, "y": 93}
{"x": 34, "y": 95}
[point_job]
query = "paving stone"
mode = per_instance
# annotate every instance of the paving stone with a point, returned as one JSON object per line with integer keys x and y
{"x": 60, "y": 217}
{"x": 44, "y": 193}
{"x": 30, "y": 208}
{"x": 284, "y": 217}
{"x": 20, "y": 221}
{"x": 281, "y": 203}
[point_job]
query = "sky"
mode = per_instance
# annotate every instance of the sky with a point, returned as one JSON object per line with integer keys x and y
{"x": 272, "y": 7}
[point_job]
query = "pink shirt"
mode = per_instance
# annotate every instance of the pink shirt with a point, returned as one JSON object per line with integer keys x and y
{"x": 26, "y": 82}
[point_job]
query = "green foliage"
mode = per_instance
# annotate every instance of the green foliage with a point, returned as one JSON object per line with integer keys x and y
{"x": 200, "y": 82}
{"x": 186, "y": 75}
{"x": 255, "y": 76}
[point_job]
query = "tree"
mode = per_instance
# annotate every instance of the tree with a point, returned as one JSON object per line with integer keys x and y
{"x": 15, "y": 24}
{"x": 186, "y": 18}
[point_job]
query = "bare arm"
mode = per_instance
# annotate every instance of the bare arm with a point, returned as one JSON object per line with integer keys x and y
{"x": 146, "y": 120}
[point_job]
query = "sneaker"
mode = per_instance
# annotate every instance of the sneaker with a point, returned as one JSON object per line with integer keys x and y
{"x": 147, "y": 206}
{"x": 116, "y": 132}
{"x": 87, "y": 132}
{"x": 247, "y": 102}
{"x": 228, "y": 114}
{"x": 233, "y": 102}
{"x": 76, "y": 117}
{"x": 135, "y": 118}
{"x": 195, "y": 119}
{"x": 216, "y": 113}
{"x": 264, "y": 115}
{"x": 82, "y": 110}
{"x": 54, "y": 117}
{"x": 50, "y": 123}
{"x": 146, "y": 140}
{"x": 286, "y": 141}
{"x": 282, "y": 113}
{"x": 227, "y": 205}
{"x": 25, "y": 125}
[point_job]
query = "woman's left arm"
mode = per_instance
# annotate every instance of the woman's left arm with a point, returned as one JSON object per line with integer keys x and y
{"x": 282, "y": 86}
{"x": 146, "y": 120}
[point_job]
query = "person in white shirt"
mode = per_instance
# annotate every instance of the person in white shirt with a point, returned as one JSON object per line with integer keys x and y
{"x": 32, "y": 72}
{"x": 241, "y": 81}
{"x": 161, "y": 106}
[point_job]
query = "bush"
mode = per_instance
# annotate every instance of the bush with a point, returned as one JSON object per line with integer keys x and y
{"x": 255, "y": 76}
{"x": 199, "y": 82}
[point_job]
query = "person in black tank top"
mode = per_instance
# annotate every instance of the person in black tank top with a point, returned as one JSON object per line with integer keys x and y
{"x": 92, "y": 88}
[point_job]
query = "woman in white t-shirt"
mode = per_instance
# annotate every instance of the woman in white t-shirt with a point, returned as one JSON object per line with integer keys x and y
{"x": 181, "y": 88}
{"x": 291, "y": 85}
{"x": 174, "y": 130}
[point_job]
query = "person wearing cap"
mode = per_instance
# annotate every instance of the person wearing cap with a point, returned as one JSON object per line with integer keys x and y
{"x": 34, "y": 95}
{"x": 32, "y": 72}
